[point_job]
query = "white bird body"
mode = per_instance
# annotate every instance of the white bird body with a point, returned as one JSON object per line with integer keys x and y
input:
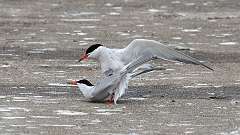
{"x": 104, "y": 89}
{"x": 119, "y": 65}
{"x": 113, "y": 86}
{"x": 112, "y": 60}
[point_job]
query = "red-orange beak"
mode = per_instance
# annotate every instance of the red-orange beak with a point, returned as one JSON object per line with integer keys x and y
{"x": 83, "y": 57}
{"x": 73, "y": 82}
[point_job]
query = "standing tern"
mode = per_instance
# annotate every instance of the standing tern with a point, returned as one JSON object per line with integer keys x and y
{"x": 110, "y": 88}
{"x": 113, "y": 60}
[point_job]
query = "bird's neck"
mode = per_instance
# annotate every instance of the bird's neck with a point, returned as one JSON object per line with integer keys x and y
{"x": 86, "y": 90}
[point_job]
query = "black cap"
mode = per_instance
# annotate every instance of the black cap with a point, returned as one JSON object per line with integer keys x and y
{"x": 92, "y": 48}
{"x": 84, "y": 81}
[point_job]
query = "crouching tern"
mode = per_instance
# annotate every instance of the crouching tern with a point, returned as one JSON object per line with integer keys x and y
{"x": 111, "y": 88}
{"x": 113, "y": 60}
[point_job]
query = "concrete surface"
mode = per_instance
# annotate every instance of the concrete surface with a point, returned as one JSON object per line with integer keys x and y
{"x": 41, "y": 42}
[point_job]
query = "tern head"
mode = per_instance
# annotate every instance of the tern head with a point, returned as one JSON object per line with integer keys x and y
{"x": 83, "y": 81}
{"x": 91, "y": 52}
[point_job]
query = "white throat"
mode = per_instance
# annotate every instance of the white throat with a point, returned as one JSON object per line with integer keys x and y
{"x": 86, "y": 90}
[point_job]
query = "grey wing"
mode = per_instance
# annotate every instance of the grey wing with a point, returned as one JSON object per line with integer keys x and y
{"x": 124, "y": 77}
{"x": 105, "y": 86}
{"x": 129, "y": 68}
{"x": 139, "y": 47}
{"x": 146, "y": 71}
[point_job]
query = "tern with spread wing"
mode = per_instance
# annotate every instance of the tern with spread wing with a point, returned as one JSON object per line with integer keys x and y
{"x": 113, "y": 60}
{"x": 110, "y": 88}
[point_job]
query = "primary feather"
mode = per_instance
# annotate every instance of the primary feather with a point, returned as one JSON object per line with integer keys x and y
{"x": 139, "y": 47}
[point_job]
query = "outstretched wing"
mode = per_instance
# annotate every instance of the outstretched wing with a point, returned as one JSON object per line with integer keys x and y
{"x": 140, "y": 47}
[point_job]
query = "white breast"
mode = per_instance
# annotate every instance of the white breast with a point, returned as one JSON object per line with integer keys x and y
{"x": 110, "y": 60}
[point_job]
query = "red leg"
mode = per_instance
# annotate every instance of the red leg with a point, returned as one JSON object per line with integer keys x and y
{"x": 110, "y": 101}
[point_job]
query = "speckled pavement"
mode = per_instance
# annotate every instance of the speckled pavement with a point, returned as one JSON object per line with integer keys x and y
{"x": 41, "y": 42}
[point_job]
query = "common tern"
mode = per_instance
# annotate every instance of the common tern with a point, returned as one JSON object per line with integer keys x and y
{"x": 113, "y": 60}
{"x": 111, "y": 88}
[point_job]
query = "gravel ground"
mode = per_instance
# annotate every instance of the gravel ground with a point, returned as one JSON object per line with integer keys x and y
{"x": 41, "y": 41}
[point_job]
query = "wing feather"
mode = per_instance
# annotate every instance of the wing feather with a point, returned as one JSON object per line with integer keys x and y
{"x": 106, "y": 84}
{"x": 140, "y": 47}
